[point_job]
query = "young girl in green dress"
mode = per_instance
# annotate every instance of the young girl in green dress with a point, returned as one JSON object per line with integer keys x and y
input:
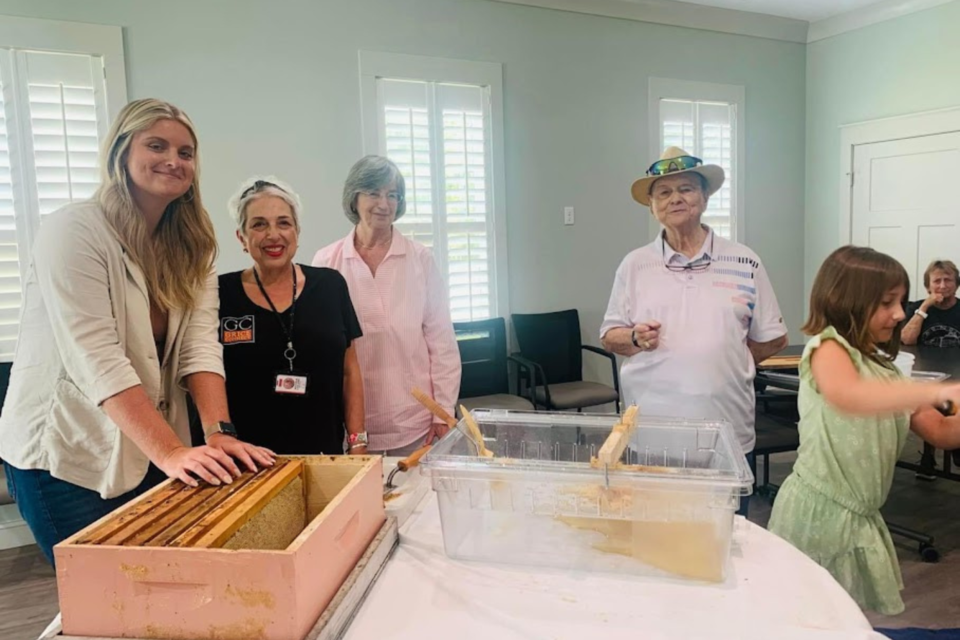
{"x": 855, "y": 411}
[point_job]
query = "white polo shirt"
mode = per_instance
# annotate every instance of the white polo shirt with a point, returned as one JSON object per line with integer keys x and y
{"x": 702, "y": 367}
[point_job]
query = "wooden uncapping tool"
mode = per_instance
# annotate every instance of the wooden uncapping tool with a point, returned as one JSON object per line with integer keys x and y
{"x": 612, "y": 449}
{"x": 404, "y": 465}
{"x": 433, "y": 407}
{"x": 475, "y": 434}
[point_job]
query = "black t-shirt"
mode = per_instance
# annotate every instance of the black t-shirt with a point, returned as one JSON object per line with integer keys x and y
{"x": 941, "y": 328}
{"x": 253, "y": 354}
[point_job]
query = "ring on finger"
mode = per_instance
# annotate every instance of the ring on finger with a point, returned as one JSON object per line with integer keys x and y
{"x": 646, "y": 345}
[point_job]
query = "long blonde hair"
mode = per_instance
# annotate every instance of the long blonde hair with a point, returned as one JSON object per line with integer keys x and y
{"x": 176, "y": 259}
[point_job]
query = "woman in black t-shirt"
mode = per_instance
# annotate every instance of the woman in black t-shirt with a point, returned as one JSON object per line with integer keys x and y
{"x": 293, "y": 379}
{"x": 935, "y": 321}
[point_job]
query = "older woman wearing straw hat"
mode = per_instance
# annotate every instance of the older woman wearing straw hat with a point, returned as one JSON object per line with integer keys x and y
{"x": 691, "y": 311}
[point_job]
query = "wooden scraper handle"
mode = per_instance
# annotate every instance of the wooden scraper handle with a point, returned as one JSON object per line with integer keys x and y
{"x": 413, "y": 459}
{"x": 433, "y": 407}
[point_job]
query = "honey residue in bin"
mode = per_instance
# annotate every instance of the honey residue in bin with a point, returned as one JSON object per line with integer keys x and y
{"x": 686, "y": 548}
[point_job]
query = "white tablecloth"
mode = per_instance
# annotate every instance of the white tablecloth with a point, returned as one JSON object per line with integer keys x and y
{"x": 773, "y": 592}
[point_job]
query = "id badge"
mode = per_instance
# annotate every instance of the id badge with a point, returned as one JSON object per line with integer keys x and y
{"x": 290, "y": 383}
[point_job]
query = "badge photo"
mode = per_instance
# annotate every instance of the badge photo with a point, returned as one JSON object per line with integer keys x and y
{"x": 291, "y": 384}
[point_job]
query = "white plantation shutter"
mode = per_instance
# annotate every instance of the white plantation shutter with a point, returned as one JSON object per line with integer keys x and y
{"x": 9, "y": 257}
{"x": 406, "y": 122}
{"x": 66, "y": 123}
{"x": 437, "y": 134}
{"x": 706, "y": 130}
{"x": 52, "y": 117}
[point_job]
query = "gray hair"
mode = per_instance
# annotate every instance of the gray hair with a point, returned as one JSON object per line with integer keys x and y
{"x": 371, "y": 173}
{"x": 258, "y": 187}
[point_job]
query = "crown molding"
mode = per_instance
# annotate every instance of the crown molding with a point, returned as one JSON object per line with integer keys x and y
{"x": 873, "y": 14}
{"x": 683, "y": 14}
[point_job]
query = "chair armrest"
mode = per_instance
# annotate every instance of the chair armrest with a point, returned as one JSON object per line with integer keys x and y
{"x": 597, "y": 350}
{"x": 536, "y": 369}
{"x": 526, "y": 370}
{"x": 613, "y": 363}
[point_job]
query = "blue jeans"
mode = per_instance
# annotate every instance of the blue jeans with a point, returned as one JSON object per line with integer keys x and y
{"x": 55, "y": 509}
{"x": 745, "y": 500}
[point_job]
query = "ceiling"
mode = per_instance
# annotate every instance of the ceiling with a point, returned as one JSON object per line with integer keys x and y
{"x": 807, "y": 10}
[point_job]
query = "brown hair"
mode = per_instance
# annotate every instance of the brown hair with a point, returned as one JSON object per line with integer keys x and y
{"x": 847, "y": 292}
{"x": 177, "y": 258}
{"x": 940, "y": 265}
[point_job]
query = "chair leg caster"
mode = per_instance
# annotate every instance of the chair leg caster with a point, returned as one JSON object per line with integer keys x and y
{"x": 929, "y": 553}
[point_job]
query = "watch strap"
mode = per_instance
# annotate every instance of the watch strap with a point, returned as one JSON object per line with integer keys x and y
{"x": 223, "y": 427}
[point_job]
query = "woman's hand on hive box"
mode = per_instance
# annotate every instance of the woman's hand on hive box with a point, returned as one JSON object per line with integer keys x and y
{"x": 208, "y": 463}
{"x": 252, "y": 456}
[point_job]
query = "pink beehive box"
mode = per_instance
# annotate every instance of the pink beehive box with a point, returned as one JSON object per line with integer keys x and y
{"x": 257, "y": 559}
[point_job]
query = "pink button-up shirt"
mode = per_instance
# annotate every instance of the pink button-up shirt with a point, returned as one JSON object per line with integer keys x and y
{"x": 408, "y": 338}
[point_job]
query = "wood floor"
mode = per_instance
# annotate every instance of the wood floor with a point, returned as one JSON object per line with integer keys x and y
{"x": 28, "y": 592}
{"x": 930, "y": 590}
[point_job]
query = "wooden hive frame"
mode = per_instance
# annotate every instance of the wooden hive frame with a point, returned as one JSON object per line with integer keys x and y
{"x": 204, "y": 517}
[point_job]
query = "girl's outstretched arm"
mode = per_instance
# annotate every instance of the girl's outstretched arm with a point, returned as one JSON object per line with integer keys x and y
{"x": 840, "y": 385}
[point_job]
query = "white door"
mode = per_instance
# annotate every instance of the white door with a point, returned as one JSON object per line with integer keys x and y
{"x": 905, "y": 201}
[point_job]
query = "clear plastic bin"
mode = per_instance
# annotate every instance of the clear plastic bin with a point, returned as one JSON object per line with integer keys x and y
{"x": 540, "y": 502}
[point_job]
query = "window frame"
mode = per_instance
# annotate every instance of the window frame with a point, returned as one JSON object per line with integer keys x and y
{"x": 375, "y": 65}
{"x": 671, "y": 89}
{"x": 18, "y": 35}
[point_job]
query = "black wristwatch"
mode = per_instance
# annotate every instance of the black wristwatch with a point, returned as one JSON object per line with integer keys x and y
{"x": 226, "y": 428}
{"x": 633, "y": 339}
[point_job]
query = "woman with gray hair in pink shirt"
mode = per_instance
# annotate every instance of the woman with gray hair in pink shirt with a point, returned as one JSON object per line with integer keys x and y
{"x": 401, "y": 301}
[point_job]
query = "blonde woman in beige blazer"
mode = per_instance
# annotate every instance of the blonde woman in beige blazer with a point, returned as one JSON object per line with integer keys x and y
{"x": 120, "y": 320}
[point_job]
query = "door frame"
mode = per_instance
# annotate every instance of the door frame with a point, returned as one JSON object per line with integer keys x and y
{"x": 915, "y": 125}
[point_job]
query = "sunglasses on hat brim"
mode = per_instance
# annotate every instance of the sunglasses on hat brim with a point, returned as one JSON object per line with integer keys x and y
{"x": 673, "y": 165}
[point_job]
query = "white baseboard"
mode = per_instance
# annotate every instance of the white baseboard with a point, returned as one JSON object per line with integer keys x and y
{"x": 14, "y": 532}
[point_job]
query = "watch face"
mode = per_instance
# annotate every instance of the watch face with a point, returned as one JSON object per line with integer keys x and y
{"x": 228, "y": 429}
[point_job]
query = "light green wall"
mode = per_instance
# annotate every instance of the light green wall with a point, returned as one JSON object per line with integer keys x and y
{"x": 907, "y": 65}
{"x": 273, "y": 88}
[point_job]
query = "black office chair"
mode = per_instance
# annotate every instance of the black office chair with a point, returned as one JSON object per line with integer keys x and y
{"x": 551, "y": 341}
{"x": 484, "y": 382}
{"x": 774, "y": 435}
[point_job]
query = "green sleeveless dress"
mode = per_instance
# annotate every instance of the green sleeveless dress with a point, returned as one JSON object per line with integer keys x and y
{"x": 829, "y": 507}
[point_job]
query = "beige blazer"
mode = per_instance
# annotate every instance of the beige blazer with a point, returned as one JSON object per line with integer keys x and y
{"x": 85, "y": 336}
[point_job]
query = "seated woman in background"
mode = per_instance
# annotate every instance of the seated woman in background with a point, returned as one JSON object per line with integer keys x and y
{"x": 935, "y": 321}
{"x": 119, "y": 316}
{"x": 401, "y": 300}
{"x": 288, "y": 332}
